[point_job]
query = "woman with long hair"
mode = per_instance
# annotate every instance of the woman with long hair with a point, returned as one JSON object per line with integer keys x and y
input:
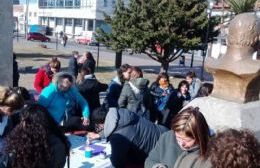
{"x": 116, "y": 85}
{"x": 10, "y": 102}
{"x": 185, "y": 145}
{"x": 179, "y": 98}
{"x": 37, "y": 141}
{"x": 161, "y": 91}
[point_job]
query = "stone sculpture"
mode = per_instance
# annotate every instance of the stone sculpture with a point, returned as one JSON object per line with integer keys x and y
{"x": 237, "y": 74}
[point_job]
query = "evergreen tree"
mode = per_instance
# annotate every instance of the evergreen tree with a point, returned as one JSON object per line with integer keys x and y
{"x": 162, "y": 29}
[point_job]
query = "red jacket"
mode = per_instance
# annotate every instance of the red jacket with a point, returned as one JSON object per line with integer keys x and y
{"x": 42, "y": 79}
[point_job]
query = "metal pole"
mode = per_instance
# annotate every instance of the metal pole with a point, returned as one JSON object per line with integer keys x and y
{"x": 56, "y": 34}
{"x": 205, "y": 47}
{"x": 26, "y": 18}
{"x": 97, "y": 54}
{"x": 17, "y": 29}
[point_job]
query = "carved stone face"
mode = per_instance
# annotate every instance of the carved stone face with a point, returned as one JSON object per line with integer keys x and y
{"x": 244, "y": 30}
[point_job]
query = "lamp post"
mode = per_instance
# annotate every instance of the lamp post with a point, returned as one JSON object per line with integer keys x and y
{"x": 26, "y": 18}
{"x": 205, "y": 48}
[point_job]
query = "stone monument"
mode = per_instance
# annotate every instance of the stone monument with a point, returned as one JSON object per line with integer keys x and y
{"x": 6, "y": 43}
{"x": 234, "y": 102}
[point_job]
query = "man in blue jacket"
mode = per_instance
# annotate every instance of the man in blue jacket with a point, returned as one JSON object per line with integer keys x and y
{"x": 62, "y": 98}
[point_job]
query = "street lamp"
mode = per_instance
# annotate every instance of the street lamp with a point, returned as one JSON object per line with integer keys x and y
{"x": 205, "y": 48}
{"x": 26, "y": 18}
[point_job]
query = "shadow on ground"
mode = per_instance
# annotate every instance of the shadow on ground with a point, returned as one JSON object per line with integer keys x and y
{"x": 32, "y": 70}
{"x": 179, "y": 71}
{"x": 101, "y": 69}
{"x": 40, "y": 56}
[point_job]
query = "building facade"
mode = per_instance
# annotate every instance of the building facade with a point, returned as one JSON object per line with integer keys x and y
{"x": 74, "y": 16}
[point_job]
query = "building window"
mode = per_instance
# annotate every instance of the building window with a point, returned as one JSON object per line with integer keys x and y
{"x": 105, "y": 3}
{"x": 77, "y": 3}
{"x": 59, "y": 4}
{"x": 89, "y": 3}
{"x": 51, "y": 19}
{"x": 68, "y": 3}
{"x": 68, "y": 22}
{"x": 90, "y": 25}
{"x": 30, "y": 14}
{"x": 42, "y": 3}
{"x": 59, "y": 21}
{"x": 113, "y": 2}
{"x": 99, "y": 23}
{"x": 78, "y": 22}
{"x": 35, "y": 14}
{"x": 51, "y": 3}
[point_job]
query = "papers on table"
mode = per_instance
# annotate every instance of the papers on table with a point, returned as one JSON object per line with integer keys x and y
{"x": 77, "y": 155}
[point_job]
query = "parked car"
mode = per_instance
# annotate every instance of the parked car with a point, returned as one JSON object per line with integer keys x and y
{"x": 86, "y": 37}
{"x": 38, "y": 36}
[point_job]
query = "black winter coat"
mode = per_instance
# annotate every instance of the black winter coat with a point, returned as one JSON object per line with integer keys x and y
{"x": 132, "y": 137}
{"x": 90, "y": 89}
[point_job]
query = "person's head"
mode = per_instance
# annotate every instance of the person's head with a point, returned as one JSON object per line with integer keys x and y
{"x": 124, "y": 72}
{"x": 234, "y": 149}
{"x": 191, "y": 129}
{"x": 64, "y": 81}
{"x": 23, "y": 92}
{"x": 75, "y": 54}
{"x": 29, "y": 140}
{"x": 98, "y": 117}
{"x": 163, "y": 79}
{"x": 136, "y": 73}
{"x": 10, "y": 100}
{"x": 85, "y": 70}
{"x": 205, "y": 90}
{"x": 88, "y": 56}
{"x": 190, "y": 76}
{"x": 54, "y": 65}
{"x": 183, "y": 87}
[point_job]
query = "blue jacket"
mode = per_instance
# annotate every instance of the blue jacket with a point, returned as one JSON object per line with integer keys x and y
{"x": 56, "y": 102}
{"x": 113, "y": 93}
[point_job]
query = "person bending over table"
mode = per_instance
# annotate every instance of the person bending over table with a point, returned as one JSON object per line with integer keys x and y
{"x": 131, "y": 137}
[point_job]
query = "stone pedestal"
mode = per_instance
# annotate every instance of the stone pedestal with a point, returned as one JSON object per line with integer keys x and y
{"x": 221, "y": 114}
{"x": 6, "y": 43}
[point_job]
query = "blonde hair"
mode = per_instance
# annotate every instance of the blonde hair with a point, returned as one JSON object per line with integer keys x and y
{"x": 10, "y": 98}
{"x": 192, "y": 122}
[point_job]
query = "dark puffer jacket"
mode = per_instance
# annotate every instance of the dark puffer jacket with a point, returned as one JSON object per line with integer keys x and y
{"x": 132, "y": 137}
{"x": 90, "y": 89}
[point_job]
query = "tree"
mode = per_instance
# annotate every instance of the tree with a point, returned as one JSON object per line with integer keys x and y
{"x": 241, "y": 6}
{"x": 162, "y": 29}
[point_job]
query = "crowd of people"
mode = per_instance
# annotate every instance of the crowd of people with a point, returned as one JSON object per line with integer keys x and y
{"x": 147, "y": 125}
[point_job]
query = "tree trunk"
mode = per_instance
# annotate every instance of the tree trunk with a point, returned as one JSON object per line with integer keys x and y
{"x": 118, "y": 61}
{"x": 164, "y": 66}
{"x": 192, "y": 59}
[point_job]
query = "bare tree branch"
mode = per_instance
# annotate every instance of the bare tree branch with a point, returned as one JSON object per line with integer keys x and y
{"x": 151, "y": 56}
{"x": 175, "y": 55}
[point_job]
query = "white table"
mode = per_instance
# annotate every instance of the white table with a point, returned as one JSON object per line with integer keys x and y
{"x": 78, "y": 159}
